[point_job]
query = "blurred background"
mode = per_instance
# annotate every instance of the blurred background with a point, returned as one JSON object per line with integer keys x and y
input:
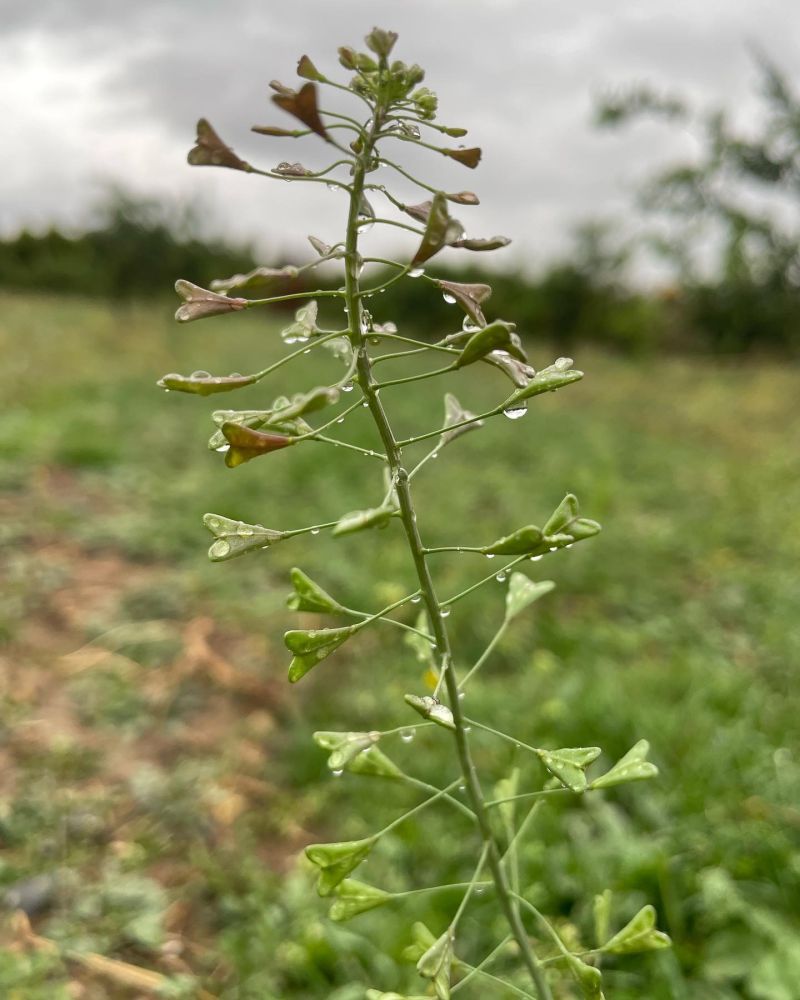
{"x": 158, "y": 779}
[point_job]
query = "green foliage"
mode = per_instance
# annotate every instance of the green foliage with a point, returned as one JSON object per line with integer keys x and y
{"x": 396, "y": 114}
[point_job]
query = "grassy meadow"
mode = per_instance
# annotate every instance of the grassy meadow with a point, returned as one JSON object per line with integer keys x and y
{"x": 158, "y": 777}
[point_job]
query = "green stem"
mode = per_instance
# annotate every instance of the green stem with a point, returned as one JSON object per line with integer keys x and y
{"x": 414, "y": 378}
{"x": 435, "y": 888}
{"x": 424, "y": 786}
{"x": 473, "y": 883}
{"x": 440, "y": 793}
{"x": 478, "y": 969}
{"x": 434, "y": 609}
{"x": 484, "y": 655}
{"x": 486, "y": 579}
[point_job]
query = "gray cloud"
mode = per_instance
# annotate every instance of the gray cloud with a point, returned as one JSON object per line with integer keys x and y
{"x": 105, "y": 90}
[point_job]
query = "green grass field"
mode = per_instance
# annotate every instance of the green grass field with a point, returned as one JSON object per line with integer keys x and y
{"x": 158, "y": 778}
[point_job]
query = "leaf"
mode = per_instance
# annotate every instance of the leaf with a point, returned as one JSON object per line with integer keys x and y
{"x": 522, "y": 592}
{"x": 210, "y": 151}
{"x": 436, "y": 962}
{"x": 259, "y": 277}
{"x": 569, "y": 764}
{"x": 304, "y": 326}
{"x": 374, "y": 763}
{"x": 588, "y": 977}
{"x": 247, "y": 444}
{"x": 341, "y": 348}
{"x": 377, "y": 995}
{"x": 639, "y": 934}
{"x": 323, "y": 249}
{"x": 309, "y": 71}
{"x": 547, "y": 380}
{"x": 203, "y": 384}
{"x": 305, "y": 402}
{"x": 584, "y": 527}
{"x": 601, "y": 910}
{"x": 440, "y": 229}
{"x": 507, "y": 788}
{"x": 198, "y": 303}
{"x": 353, "y": 897}
{"x": 422, "y": 939}
{"x": 423, "y": 648}
{"x": 498, "y": 334}
{"x": 253, "y": 419}
{"x": 309, "y": 596}
{"x": 234, "y": 538}
{"x": 634, "y": 766}
{"x": 303, "y": 105}
{"x": 336, "y": 861}
{"x": 519, "y": 372}
{"x": 454, "y": 413}
{"x": 381, "y": 42}
{"x": 469, "y": 297}
{"x": 469, "y": 157}
{"x": 463, "y": 198}
{"x": 519, "y": 543}
{"x": 480, "y": 245}
{"x": 360, "y": 520}
{"x": 310, "y": 646}
{"x": 421, "y": 212}
{"x": 276, "y": 131}
{"x": 286, "y": 169}
{"x": 345, "y": 747}
{"x": 563, "y": 515}
{"x": 431, "y": 709}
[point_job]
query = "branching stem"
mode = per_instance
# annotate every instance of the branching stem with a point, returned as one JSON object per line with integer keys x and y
{"x": 417, "y": 550}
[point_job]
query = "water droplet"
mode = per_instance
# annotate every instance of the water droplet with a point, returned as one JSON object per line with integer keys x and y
{"x": 515, "y": 412}
{"x": 315, "y": 531}
{"x": 407, "y": 735}
{"x": 480, "y": 890}
{"x": 416, "y": 600}
{"x": 416, "y": 272}
{"x": 462, "y": 695}
{"x": 535, "y": 558}
{"x": 569, "y": 546}
{"x": 365, "y": 403}
{"x": 554, "y": 548}
{"x": 347, "y": 387}
{"x": 500, "y": 577}
{"x": 222, "y": 448}
{"x": 307, "y": 350}
{"x": 467, "y": 729}
{"x": 201, "y": 374}
{"x": 445, "y": 612}
{"x": 462, "y": 788}
{"x": 244, "y": 530}
{"x": 469, "y": 325}
{"x": 340, "y": 420}
{"x": 235, "y": 375}
{"x": 490, "y": 555}
{"x": 337, "y": 774}
{"x": 449, "y": 299}
{"x": 562, "y": 364}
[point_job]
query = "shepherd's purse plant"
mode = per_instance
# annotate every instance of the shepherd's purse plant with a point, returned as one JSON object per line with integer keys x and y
{"x": 393, "y": 111}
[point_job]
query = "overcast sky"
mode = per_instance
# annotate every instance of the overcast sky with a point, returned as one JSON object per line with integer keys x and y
{"x": 94, "y": 91}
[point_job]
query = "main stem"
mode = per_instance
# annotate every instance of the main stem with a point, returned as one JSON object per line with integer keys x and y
{"x": 409, "y": 518}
